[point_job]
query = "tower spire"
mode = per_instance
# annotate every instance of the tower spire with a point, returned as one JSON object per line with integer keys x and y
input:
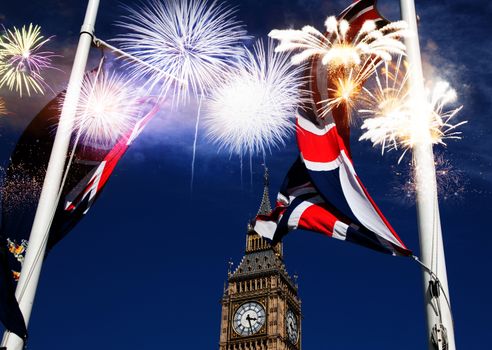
{"x": 255, "y": 242}
{"x": 265, "y": 206}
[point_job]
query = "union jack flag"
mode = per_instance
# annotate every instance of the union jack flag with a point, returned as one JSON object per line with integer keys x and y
{"x": 89, "y": 172}
{"x": 322, "y": 191}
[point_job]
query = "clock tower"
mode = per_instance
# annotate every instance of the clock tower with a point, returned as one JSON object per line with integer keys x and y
{"x": 261, "y": 309}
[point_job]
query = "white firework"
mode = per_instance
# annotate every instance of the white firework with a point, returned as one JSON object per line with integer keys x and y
{"x": 390, "y": 120}
{"x": 338, "y": 47}
{"x": 385, "y": 107}
{"x": 108, "y": 108}
{"x": 186, "y": 45}
{"x": 253, "y": 110}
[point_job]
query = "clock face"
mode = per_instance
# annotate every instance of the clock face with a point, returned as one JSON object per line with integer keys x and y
{"x": 292, "y": 327}
{"x": 249, "y": 318}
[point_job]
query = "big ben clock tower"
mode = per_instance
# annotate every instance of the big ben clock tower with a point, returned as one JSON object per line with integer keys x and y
{"x": 261, "y": 309}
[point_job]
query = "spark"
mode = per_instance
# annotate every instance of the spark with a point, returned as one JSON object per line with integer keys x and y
{"x": 192, "y": 41}
{"x": 389, "y": 118}
{"x": 21, "y": 189}
{"x": 22, "y": 61}
{"x": 3, "y": 107}
{"x": 339, "y": 47}
{"x": 450, "y": 181}
{"x": 252, "y": 111}
{"x": 345, "y": 87}
{"x": 108, "y": 107}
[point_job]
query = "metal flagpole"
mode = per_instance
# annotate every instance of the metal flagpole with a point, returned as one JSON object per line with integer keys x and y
{"x": 440, "y": 331}
{"x": 48, "y": 201}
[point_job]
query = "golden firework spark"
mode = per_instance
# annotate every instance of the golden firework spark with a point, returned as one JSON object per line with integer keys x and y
{"x": 350, "y": 58}
{"x": 22, "y": 61}
{"x": 389, "y": 114}
{"x": 345, "y": 87}
{"x": 21, "y": 189}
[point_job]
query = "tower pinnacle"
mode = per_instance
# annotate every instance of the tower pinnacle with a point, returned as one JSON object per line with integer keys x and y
{"x": 255, "y": 242}
{"x": 265, "y": 206}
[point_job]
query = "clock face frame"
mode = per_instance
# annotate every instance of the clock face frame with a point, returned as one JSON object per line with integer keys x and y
{"x": 249, "y": 318}
{"x": 292, "y": 326}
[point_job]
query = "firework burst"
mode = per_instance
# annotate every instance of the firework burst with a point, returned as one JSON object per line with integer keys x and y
{"x": 450, "y": 181}
{"x": 22, "y": 61}
{"x": 191, "y": 41}
{"x": 350, "y": 57}
{"x": 345, "y": 88}
{"x": 252, "y": 111}
{"x": 384, "y": 107}
{"x": 338, "y": 47}
{"x": 389, "y": 119}
{"x": 108, "y": 107}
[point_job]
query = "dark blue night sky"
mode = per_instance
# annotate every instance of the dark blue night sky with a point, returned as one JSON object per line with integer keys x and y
{"x": 146, "y": 268}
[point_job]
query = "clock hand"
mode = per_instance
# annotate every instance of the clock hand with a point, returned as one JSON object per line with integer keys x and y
{"x": 249, "y": 318}
{"x": 291, "y": 326}
{"x": 250, "y": 326}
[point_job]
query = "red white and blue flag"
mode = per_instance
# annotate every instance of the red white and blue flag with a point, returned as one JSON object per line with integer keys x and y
{"x": 89, "y": 172}
{"x": 322, "y": 191}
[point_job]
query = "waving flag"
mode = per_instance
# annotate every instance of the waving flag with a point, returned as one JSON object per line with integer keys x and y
{"x": 322, "y": 191}
{"x": 89, "y": 171}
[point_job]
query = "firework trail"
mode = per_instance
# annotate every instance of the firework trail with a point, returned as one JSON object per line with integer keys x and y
{"x": 22, "y": 61}
{"x": 253, "y": 110}
{"x": 389, "y": 121}
{"x": 108, "y": 107}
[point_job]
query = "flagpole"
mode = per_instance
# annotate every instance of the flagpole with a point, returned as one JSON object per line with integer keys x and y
{"x": 439, "y": 319}
{"x": 48, "y": 201}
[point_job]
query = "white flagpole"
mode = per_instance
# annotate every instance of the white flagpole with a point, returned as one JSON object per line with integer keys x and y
{"x": 31, "y": 268}
{"x": 440, "y": 331}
